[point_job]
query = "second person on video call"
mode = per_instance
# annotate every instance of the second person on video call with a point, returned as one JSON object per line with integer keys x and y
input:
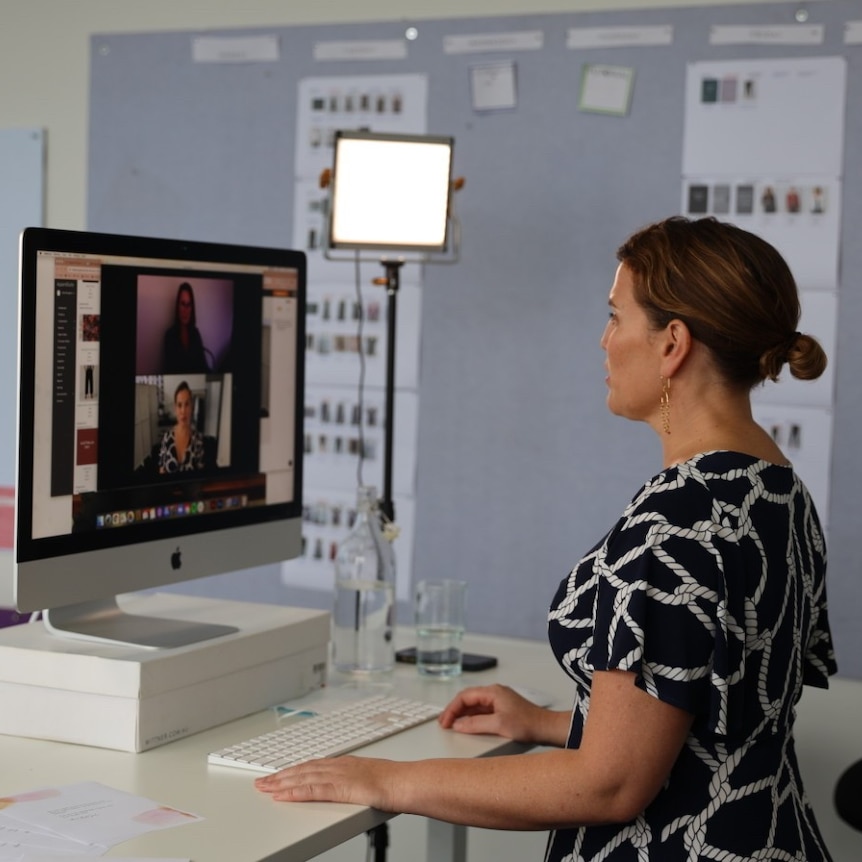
{"x": 183, "y": 349}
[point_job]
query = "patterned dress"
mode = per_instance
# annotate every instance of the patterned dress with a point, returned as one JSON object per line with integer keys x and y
{"x": 710, "y": 588}
{"x": 193, "y": 458}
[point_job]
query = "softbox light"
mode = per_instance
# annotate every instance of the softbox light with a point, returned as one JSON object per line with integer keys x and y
{"x": 390, "y": 192}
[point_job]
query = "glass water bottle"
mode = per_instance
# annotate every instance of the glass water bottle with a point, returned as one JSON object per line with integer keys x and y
{"x": 364, "y": 613}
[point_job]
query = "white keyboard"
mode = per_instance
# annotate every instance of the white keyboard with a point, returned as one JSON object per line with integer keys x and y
{"x": 327, "y": 734}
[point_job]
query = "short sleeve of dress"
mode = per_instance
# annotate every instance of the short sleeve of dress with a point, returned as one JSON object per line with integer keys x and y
{"x": 820, "y": 661}
{"x": 198, "y": 455}
{"x": 820, "y": 655}
{"x": 660, "y": 610}
{"x": 684, "y": 599}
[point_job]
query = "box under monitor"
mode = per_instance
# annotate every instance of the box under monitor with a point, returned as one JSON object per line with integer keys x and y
{"x": 133, "y": 699}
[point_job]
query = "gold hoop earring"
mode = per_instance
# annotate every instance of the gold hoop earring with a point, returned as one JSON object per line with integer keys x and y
{"x": 665, "y": 404}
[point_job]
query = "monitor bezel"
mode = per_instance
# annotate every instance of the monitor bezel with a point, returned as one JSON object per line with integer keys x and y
{"x": 39, "y": 562}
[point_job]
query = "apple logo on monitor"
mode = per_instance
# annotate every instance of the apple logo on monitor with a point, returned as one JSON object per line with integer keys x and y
{"x": 176, "y": 558}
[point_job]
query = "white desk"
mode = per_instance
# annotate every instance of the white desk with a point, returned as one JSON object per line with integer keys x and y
{"x": 242, "y": 824}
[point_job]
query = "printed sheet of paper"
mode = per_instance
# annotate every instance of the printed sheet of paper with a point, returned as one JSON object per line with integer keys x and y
{"x": 30, "y": 857}
{"x": 493, "y": 86}
{"x": 606, "y": 89}
{"x": 92, "y": 814}
{"x": 17, "y": 840}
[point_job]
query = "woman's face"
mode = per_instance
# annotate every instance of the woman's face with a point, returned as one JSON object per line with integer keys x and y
{"x": 631, "y": 353}
{"x": 184, "y": 307}
{"x": 183, "y": 407}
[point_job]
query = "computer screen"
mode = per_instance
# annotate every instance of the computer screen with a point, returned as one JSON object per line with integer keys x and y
{"x": 159, "y": 422}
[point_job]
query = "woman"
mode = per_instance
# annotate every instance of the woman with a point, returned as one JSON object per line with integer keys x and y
{"x": 690, "y": 628}
{"x": 183, "y": 346}
{"x": 183, "y": 446}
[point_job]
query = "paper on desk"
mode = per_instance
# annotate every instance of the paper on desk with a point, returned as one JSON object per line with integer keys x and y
{"x": 91, "y": 813}
{"x": 17, "y": 839}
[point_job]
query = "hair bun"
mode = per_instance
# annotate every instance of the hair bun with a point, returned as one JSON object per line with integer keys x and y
{"x": 803, "y": 354}
{"x": 805, "y": 357}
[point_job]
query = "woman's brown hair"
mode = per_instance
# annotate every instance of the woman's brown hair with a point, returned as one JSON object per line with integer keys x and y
{"x": 733, "y": 290}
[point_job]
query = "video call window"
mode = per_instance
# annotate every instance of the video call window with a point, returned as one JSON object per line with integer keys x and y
{"x": 156, "y": 411}
{"x": 183, "y": 356}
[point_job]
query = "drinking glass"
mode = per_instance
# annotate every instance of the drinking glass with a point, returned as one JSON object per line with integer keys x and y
{"x": 439, "y": 615}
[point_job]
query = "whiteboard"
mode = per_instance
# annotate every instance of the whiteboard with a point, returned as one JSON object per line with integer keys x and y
{"x": 22, "y": 180}
{"x": 519, "y": 466}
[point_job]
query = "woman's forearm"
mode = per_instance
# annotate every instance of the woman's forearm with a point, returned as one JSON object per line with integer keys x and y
{"x": 552, "y": 729}
{"x": 533, "y": 791}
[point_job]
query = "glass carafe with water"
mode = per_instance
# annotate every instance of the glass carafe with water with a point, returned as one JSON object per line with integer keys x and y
{"x": 364, "y": 613}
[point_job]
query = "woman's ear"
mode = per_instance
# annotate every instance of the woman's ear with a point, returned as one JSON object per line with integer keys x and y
{"x": 676, "y": 345}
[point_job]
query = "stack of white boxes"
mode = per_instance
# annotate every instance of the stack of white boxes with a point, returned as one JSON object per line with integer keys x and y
{"x": 134, "y": 699}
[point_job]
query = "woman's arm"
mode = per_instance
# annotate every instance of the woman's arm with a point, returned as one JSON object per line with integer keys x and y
{"x": 630, "y": 743}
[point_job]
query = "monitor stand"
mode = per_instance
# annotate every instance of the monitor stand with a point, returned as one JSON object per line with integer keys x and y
{"x": 105, "y": 621}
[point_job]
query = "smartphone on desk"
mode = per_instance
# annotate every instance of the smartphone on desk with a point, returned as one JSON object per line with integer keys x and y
{"x": 469, "y": 661}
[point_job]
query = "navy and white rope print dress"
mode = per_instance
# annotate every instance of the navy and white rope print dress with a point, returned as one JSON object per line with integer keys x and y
{"x": 710, "y": 588}
{"x": 193, "y": 459}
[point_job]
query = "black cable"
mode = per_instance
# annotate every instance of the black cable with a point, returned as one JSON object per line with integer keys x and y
{"x": 361, "y": 384}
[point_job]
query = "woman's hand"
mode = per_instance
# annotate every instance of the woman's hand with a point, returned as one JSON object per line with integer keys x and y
{"x": 385, "y": 784}
{"x": 358, "y": 780}
{"x": 630, "y": 743}
{"x": 499, "y": 710}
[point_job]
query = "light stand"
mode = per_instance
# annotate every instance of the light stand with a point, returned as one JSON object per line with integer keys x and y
{"x": 391, "y": 282}
{"x": 390, "y": 193}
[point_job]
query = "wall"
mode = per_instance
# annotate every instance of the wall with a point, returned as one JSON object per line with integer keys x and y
{"x": 44, "y": 57}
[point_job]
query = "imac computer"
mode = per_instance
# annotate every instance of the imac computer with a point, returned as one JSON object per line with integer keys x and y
{"x": 159, "y": 423}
